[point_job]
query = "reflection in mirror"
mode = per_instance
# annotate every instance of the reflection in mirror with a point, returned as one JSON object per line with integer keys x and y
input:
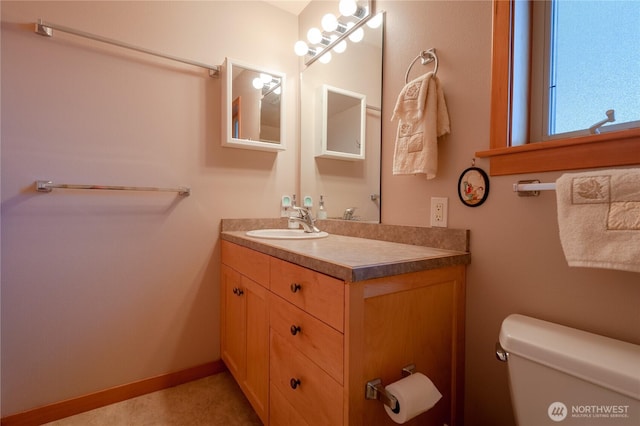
{"x": 253, "y": 105}
{"x": 342, "y": 134}
{"x": 346, "y": 186}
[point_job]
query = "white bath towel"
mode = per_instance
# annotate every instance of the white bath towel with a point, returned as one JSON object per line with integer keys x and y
{"x": 423, "y": 116}
{"x": 599, "y": 218}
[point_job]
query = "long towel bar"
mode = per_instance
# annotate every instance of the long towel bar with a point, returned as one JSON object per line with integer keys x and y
{"x": 48, "y": 186}
{"x": 532, "y": 188}
{"x": 46, "y": 29}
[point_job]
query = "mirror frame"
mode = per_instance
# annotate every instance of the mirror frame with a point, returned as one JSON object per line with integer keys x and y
{"x": 323, "y": 150}
{"x": 604, "y": 150}
{"x": 227, "y": 139}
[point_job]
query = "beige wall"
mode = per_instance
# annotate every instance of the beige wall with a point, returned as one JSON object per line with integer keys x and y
{"x": 104, "y": 289}
{"x": 517, "y": 262}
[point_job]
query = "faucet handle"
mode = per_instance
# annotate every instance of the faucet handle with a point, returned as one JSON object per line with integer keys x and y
{"x": 302, "y": 211}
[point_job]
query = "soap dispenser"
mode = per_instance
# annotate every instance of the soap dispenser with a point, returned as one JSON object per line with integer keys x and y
{"x": 322, "y": 213}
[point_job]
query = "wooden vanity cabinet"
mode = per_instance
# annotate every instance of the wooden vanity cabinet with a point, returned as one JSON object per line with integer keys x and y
{"x": 245, "y": 322}
{"x": 328, "y": 337}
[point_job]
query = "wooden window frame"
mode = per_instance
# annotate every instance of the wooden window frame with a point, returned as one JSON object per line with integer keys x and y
{"x": 591, "y": 151}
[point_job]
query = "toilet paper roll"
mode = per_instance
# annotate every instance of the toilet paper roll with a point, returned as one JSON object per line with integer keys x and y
{"x": 415, "y": 394}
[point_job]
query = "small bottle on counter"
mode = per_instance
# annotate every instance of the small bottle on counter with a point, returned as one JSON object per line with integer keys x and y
{"x": 322, "y": 213}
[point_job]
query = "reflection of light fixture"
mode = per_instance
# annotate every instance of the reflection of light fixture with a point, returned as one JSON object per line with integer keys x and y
{"x": 341, "y": 46}
{"x": 268, "y": 82}
{"x": 274, "y": 86}
{"x": 325, "y": 57}
{"x": 266, "y": 78}
{"x": 257, "y": 83}
{"x": 337, "y": 29}
{"x": 356, "y": 35}
{"x": 375, "y": 22}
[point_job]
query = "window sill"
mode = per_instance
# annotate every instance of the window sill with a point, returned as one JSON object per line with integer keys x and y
{"x": 593, "y": 151}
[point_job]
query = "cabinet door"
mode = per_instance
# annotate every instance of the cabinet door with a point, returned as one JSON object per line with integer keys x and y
{"x": 256, "y": 380}
{"x": 233, "y": 317}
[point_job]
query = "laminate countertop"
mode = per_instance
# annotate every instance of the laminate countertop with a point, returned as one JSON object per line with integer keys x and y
{"x": 352, "y": 258}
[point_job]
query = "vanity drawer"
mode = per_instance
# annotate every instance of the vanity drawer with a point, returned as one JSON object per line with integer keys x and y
{"x": 315, "y": 339}
{"x": 311, "y": 392}
{"x": 320, "y": 295}
{"x": 281, "y": 413}
{"x": 250, "y": 263}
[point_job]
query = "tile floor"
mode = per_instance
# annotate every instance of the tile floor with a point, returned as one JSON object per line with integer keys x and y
{"x": 213, "y": 401}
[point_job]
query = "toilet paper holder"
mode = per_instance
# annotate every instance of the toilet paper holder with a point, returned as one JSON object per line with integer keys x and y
{"x": 375, "y": 390}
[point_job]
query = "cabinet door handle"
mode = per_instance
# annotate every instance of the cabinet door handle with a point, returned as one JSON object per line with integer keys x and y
{"x": 295, "y": 329}
{"x": 295, "y": 287}
{"x": 238, "y": 291}
{"x": 294, "y": 383}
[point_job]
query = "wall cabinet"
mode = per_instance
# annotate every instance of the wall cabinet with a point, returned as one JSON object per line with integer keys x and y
{"x": 302, "y": 345}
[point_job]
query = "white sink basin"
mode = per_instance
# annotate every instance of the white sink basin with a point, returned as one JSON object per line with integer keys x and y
{"x": 286, "y": 234}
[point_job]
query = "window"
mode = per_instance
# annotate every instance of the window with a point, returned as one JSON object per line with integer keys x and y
{"x": 593, "y": 66}
{"x": 522, "y": 115}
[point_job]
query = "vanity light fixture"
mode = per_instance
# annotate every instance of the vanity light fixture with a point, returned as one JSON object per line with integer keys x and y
{"x": 335, "y": 31}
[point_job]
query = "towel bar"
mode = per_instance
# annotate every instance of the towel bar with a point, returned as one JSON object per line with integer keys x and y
{"x": 48, "y": 186}
{"x": 46, "y": 29}
{"x": 532, "y": 188}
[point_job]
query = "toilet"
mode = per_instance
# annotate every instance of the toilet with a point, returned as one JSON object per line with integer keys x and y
{"x": 560, "y": 375}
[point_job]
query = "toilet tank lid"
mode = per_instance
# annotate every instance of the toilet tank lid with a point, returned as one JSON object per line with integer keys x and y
{"x": 608, "y": 362}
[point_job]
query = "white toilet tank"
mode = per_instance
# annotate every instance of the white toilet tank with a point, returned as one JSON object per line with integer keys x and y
{"x": 560, "y": 375}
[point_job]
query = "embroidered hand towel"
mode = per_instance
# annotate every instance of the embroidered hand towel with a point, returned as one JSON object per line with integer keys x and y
{"x": 599, "y": 218}
{"x": 423, "y": 116}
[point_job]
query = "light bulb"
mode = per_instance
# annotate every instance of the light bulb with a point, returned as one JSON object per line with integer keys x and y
{"x": 325, "y": 58}
{"x": 376, "y": 21}
{"x": 357, "y": 35}
{"x": 329, "y": 22}
{"x": 348, "y": 7}
{"x": 340, "y": 47}
{"x": 300, "y": 48}
{"x": 266, "y": 78}
{"x": 257, "y": 83}
{"x": 314, "y": 36}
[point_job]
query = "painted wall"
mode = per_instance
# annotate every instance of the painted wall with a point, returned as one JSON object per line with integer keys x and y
{"x": 102, "y": 289}
{"x": 517, "y": 261}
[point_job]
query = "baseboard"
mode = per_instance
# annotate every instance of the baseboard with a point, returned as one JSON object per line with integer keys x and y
{"x": 62, "y": 409}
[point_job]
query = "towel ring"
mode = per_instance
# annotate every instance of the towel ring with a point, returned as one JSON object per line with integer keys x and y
{"x": 426, "y": 57}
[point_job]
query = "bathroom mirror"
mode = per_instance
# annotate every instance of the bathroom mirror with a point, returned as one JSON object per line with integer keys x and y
{"x": 252, "y": 107}
{"x": 343, "y": 184}
{"x": 342, "y": 118}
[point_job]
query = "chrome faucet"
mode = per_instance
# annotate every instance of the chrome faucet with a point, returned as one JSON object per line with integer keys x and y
{"x": 305, "y": 219}
{"x": 348, "y": 213}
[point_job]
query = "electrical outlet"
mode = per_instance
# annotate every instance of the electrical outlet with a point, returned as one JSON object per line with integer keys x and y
{"x": 439, "y": 211}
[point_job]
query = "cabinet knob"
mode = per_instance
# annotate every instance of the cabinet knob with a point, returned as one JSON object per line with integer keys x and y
{"x": 295, "y": 287}
{"x": 295, "y": 329}
{"x": 294, "y": 383}
{"x": 238, "y": 291}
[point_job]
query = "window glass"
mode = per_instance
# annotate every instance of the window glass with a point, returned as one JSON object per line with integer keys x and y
{"x": 595, "y": 65}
